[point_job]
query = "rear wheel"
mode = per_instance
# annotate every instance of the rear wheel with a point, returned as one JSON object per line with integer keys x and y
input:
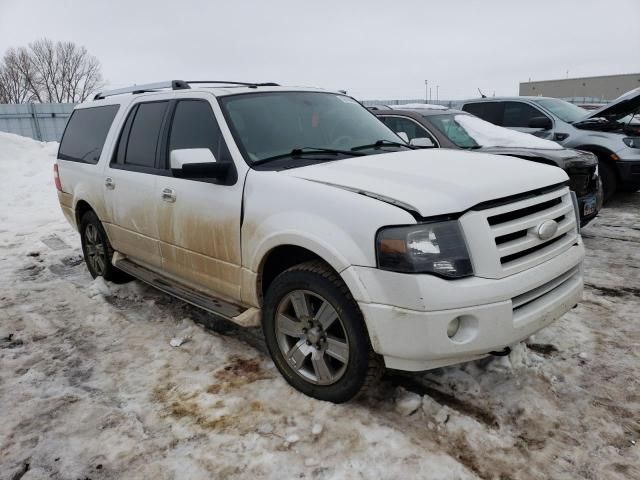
{"x": 609, "y": 180}
{"x": 97, "y": 249}
{"x": 316, "y": 334}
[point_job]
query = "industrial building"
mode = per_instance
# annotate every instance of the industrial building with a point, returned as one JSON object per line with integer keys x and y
{"x": 585, "y": 89}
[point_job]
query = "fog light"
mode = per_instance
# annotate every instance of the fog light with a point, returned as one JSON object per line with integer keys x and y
{"x": 454, "y": 326}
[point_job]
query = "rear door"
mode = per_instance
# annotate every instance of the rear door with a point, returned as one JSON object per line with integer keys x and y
{"x": 131, "y": 184}
{"x": 199, "y": 219}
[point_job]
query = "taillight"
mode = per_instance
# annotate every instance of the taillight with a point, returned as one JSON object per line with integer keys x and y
{"x": 56, "y": 177}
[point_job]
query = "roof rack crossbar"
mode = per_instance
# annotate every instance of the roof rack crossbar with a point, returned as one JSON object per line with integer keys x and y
{"x": 147, "y": 87}
{"x": 245, "y": 84}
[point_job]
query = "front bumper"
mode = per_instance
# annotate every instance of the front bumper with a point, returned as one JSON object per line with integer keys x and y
{"x": 408, "y": 315}
{"x": 594, "y": 199}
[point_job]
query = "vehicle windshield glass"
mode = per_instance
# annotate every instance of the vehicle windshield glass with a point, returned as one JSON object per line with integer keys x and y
{"x": 275, "y": 123}
{"x": 453, "y": 130}
{"x": 565, "y": 111}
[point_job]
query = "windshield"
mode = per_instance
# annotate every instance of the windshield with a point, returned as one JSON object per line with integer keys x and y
{"x": 469, "y": 131}
{"x": 565, "y": 111}
{"x": 452, "y": 130}
{"x": 272, "y": 124}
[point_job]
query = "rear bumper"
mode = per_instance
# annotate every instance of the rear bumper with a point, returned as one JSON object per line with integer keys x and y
{"x": 493, "y": 314}
{"x": 66, "y": 204}
{"x": 628, "y": 173}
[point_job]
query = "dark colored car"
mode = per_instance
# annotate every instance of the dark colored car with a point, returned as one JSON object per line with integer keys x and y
{"x": 449, "y": 128}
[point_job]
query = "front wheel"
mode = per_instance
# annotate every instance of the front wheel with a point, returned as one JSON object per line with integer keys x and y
{"x": 316, "y": 335}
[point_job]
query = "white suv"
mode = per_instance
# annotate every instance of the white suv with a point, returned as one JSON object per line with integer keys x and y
{"x": 299, "y": 210}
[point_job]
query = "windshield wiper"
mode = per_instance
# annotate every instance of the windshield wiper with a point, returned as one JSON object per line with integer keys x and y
{"x": 382, "y": 143}
{"x": 298, "y": 152}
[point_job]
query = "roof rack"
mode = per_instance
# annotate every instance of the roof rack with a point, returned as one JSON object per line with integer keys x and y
{"x": 174, "y": 85}
{"x": 244, "y": 84}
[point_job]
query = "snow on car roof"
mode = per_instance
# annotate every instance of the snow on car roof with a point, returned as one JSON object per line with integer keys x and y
{"x": 489, "y": 135}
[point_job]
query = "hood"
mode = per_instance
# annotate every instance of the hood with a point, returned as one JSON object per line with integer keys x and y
{"x": 564, "y": 158}
{"x": 433, "y": 181}
{"x": 620, "y": 107}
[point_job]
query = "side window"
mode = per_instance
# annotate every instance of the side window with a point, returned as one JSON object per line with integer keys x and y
{"x": 86, "y": 132}
{"x": 195, "y": 126}
{"x": 489, "y": 111}
{"x": 144, "y": 134}
{"x": 411, "y": 128}
{"x": 519, "y": 114}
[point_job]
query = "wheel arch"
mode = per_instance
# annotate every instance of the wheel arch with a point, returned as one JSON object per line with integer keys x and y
{"x": 82, "y": 207}
{"x": 603, "y": 153}
{"x": 280, "y": 258}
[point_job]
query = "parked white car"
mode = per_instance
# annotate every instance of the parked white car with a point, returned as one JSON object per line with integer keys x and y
{"x": 299, "y": 210}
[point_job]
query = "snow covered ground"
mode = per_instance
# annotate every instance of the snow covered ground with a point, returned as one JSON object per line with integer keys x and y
{"x": 90, "y": 386}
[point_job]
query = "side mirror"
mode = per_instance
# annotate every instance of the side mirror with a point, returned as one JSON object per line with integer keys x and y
{"x": 424, "y": 142}
{"x": 197, "y": 163}
{"x": 541, "y": 122}
{"x": 403, "y": 136}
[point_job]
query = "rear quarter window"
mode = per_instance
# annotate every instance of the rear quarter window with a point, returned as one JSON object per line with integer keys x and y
{"x": 86, "y": 132}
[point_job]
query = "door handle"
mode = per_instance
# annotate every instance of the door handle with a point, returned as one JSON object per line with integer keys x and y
{"x": 109, "y": 183}
{"x": 168, "y": 195}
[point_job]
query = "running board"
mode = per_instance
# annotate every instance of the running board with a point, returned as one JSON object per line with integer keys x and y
{"x": 246, "y": 317}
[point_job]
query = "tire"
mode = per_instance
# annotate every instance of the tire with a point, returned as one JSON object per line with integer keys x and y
{"x": 609, "y": 180}
{"x": 310, "y": 313}
{"x": 97, "y": 250}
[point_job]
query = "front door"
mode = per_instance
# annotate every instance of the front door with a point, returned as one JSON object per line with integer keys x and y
{"x": 199, "y": 218}
{"x": 518, "y": 116}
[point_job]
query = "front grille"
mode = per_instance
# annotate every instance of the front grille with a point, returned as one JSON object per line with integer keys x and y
{"x": 522, "y": 224}
{"x": 582, "y": 180}
{"x": 579, "y": 183}
{"x": 505, "y": 239}
{"x": 529, "y": 251}
{"x": 522, "y": 212}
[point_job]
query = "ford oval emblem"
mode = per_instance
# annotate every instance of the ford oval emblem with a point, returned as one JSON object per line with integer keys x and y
{"x": 547, "y": 229}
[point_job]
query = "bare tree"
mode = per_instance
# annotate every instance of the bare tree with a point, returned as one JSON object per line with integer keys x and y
{"x": 15, "y": 74}
{"x": 49, "y": 72}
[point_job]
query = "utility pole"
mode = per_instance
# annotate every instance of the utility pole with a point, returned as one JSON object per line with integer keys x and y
{"x": 430, "y": 97}
{"x": 426, "y": 91}
{"x": 437, "y": 93}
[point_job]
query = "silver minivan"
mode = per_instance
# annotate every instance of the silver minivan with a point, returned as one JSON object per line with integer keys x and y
{"x": 611, "y": 132}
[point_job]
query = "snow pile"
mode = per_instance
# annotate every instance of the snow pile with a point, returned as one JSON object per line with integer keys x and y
{"x": 419, "y": 106}
{"x": 28, "y": 195}
{"x": 489, "y": 135}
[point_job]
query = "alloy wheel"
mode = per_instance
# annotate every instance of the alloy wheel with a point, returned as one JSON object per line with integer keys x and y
{"x": 96, "y": 255}
{"x": 312, "y": 337}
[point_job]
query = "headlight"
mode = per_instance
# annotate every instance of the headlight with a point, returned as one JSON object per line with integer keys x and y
{"x": 633, "y": 142}
{"x": 437, "y": 248}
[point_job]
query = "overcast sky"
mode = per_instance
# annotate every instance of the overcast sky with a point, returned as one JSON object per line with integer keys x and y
{"x": 373, "y": 49}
